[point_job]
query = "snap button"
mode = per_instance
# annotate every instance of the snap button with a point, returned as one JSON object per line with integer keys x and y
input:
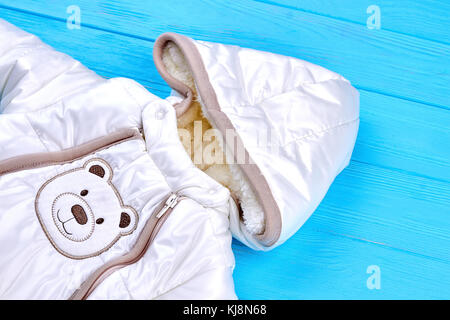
{"x": 160, "y": 114}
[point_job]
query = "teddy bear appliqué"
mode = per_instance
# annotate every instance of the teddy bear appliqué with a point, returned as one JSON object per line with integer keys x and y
{"x": 81, "y": 211}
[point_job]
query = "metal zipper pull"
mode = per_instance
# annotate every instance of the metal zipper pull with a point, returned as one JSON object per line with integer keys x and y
{"x": 170, "y": 203}
{"x": 150, "y": 231}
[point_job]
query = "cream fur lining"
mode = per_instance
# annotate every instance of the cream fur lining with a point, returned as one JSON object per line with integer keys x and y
{"x": 229, "y": 175}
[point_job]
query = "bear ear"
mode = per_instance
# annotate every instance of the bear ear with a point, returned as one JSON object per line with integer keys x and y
{"x": 128, "y": 220}
{"x": 100, "y": 168}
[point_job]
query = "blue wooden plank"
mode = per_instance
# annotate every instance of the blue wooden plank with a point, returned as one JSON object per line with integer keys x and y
{"x": 403, "y": 135}
{"x": 426, "y": 19}
{"x": 387, "y": 138}
{"x": 369, "y": 217}
{"x": 390, "y": 208}
{"x": 319, "y": 265}
{"x": 391, "y": 63}
{"x": 384, "y": 139}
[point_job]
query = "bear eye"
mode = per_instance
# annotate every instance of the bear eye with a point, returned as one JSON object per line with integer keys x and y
{"x": 99, "y": 220}
{"x": 84, "y": 193}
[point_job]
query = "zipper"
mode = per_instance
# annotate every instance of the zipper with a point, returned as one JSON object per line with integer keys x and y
{"x": 160, "y": 215}
{"x": 170, "y": 204}
{"x": 44, "y": 159}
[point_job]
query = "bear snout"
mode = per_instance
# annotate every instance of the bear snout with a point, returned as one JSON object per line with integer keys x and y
{"x": 79, "y": 214}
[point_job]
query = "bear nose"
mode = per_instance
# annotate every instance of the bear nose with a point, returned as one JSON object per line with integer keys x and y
{"x": 79, "y": 214}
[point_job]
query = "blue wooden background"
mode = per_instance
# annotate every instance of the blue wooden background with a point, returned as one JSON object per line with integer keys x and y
{"x": 391, "y": 207}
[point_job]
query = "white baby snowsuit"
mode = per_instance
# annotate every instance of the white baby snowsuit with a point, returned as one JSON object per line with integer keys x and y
{"x": 88, "y": 208}
{"x": 99, "y": 197}
{"x": 286, "y": 128}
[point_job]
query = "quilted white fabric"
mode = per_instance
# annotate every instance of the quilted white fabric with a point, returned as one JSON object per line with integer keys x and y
{"x": 60, "y": 222}
{"x": 49, "y": 103}
{"x": 297, "y": 120}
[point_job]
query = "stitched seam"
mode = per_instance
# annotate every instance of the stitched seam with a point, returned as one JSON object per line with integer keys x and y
{"x": 24, "y": 54}
{"x": 181, "y": 282}
{"x": 92, "y": 222}
{"x": 281, "y": 93}
{"x": 224, "y": 253}
{"x": 7, "y": 290}
{"x": 125, "y": 285}
{"x": 131, "y": 95}
{"x": 101, "y": 257}
{"x": 119, "y": 197}
{"x": 38, "y": 164}
{"x": 118, "y": 273}
{"x": 35, "y": 132}
{"x": 325, "y": 130}
{"x": 241, "y": 76}
{"x": 141, "y": 107}
{"x": 29, "y": 50}
{"x": 57, "y": 100}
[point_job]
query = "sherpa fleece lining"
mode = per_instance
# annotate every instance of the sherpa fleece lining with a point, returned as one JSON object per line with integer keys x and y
{"x": 257, "y": 202}
{"x": 220, "y": 169}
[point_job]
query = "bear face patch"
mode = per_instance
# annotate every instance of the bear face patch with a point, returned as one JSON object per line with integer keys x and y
{"x": 81, "y": 211}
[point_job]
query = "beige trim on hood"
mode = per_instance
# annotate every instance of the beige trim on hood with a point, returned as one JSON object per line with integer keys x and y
{"x": 208, "y": 96}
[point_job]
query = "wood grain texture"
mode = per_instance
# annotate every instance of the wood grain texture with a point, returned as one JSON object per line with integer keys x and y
{"x": 385, "y": 143}
{"x": 391, "y": 206}
{"x": 426, "y": 19}
{"x": 421, "y": 72}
